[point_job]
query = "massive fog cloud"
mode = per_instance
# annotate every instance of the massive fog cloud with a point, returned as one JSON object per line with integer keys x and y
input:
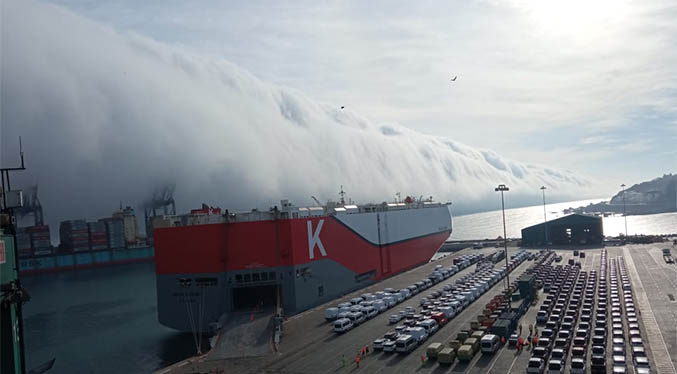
{"x": 106, "y": 116}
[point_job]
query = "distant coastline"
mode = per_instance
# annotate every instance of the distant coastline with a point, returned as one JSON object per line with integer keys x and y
{"x": 652, "y": 197}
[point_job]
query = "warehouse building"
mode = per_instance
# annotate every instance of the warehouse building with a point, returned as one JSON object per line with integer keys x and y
{"x": 574, "y": 229}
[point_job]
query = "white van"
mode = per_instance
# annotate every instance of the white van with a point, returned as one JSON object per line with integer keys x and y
{"x": 430, "y": 326}
{"x": 342, "y": 325}
{"x": 343, "y": 313}
{"x": 380, "y": 306}
{"x": 489, "y": 343}
{"x": 357, "y": 317}
{"x": 405, "y": 344}
{"x": 389, "y": 301}
{"x": 418, "y": 333}
{"x": 448, "y": 311}
{"x": 463, "y": 300}
{"x": 370, "y": 311}
{"x": 468, "y": 296}
{"x": 331, "y": 313}
{"x": 405, "y": 293}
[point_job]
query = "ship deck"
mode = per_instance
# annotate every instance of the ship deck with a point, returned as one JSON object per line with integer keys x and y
{"x": 309, "y": 346}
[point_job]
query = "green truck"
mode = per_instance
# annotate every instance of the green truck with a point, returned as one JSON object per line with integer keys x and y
{"x": 466, "y": 352}
{"x": 446, "y": 356}
{"x": 433, "y": 350}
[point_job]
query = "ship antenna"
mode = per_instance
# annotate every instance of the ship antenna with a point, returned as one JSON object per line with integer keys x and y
{"x": 342, "y": 194}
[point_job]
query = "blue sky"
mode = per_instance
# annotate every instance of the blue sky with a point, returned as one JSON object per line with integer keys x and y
{"x": 584, "y": 86}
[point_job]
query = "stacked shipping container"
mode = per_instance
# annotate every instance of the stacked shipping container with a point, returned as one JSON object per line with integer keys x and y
{"x": 33, "y": 241}
{"x": 116, "y": 232}
{"x": 98, "y": 238}
{"x": 23, "y": 242}
{"x": 74, "y": 235}
{"x": 40, "y": 240}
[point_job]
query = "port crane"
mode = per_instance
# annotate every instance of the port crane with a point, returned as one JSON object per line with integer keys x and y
{"x": 162, "y": 199}
{"x": 31, "y": 206}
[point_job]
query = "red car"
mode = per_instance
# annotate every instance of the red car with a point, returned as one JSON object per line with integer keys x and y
{"x": 439, "y": 318}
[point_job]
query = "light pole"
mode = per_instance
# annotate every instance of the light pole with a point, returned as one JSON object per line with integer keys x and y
{"x": 625, "y": 217}
{"x": 502, "y": 188}
{"x": 545, "y": 220}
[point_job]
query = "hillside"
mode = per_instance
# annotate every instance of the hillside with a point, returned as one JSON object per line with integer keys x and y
{"x": 658, "y": 195}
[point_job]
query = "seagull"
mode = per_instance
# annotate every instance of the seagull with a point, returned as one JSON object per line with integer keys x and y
{"x": 454, "y": 78}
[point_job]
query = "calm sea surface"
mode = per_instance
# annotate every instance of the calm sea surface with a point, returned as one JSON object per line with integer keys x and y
{"x": 105, "y": 320}
{"x": 489, "y": 225}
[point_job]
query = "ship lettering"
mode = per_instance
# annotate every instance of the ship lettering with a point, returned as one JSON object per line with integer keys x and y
{"x": 314, "y": 239}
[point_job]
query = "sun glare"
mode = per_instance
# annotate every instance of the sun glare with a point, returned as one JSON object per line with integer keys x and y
{"x": 575, "y": 17}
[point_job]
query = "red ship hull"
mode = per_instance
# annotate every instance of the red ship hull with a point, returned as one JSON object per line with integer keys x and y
{"x": 310, "y": 260}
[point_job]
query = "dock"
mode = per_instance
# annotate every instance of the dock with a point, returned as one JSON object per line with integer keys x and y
{"x": 309, "y": 345}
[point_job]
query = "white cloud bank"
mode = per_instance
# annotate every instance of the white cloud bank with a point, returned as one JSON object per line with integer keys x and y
{"x": 106, "y": 116}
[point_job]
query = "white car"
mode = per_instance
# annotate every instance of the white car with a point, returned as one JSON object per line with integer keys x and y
{"x": 536, "y": 365}
{"x": 394, "y": 318}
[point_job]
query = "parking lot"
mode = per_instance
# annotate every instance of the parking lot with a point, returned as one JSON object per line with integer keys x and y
{"x": 310, "y": 346}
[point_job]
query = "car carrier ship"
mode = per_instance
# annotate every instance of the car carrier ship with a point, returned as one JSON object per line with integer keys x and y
{"x": 291, "y": 258}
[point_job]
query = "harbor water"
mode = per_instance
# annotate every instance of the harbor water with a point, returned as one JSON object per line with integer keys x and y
{"x": 105, "y": 320}
{"x": 99, "y": 321}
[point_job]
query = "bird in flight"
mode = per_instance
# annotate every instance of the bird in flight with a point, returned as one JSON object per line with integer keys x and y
{"x": 342, "y": 106}
{"x": 454, "y": 78}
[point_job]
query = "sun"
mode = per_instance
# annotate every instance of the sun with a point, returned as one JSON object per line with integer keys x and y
{"x": 577, "y": 18}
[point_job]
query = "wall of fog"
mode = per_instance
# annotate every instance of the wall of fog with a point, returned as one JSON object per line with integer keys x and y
{"x": 105, "y": 117}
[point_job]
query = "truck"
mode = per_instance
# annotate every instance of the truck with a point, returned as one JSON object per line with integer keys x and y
{"x": 465, "y": 353}
{"x": 463, "y": 335}
{"x": 433, "y": 350}
{"x": 667, "y": 256}
{"x": 446, "y": 356}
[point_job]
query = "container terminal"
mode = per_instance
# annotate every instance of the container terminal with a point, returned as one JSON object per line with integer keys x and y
{"x": 308, "y": 343}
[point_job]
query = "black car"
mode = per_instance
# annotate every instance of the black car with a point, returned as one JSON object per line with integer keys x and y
{"x": 598, "y": 350}
{"x": 579, "y": 352}
{"x": 599, "y": 340}
{"x": 598, "y": 364}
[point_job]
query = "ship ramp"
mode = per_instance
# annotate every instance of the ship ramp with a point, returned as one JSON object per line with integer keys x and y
{"x": 244, "y": 333}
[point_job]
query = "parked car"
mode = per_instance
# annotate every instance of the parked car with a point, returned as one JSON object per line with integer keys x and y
{"x": 555, "y": 367}
{"x": 536, "y": 365}
{"x": 342, "y": 325}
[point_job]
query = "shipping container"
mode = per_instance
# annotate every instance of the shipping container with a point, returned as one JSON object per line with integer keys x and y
{"x": 43, "y": 251}
{"x": 25, "y": 252}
